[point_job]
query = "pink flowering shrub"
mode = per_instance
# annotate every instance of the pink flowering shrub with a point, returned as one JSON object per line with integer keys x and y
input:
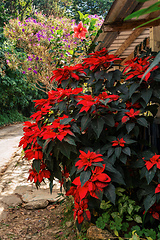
{"x": 44, "y": 44}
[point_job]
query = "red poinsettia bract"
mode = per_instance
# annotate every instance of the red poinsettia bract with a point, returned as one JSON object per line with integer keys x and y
{"x": 65, "y": 73}
{"x": 33, "y": 175}
{"x": 100, "y": 53}
{"x": 87, "y": 102}
{"x": 56, "y": 130}
{"x": 102, "y": 62}
{"x": 95, "y": 184}
{"x": 138, "y": 68}
{"x": 118, "y": 142}
{"x": 31, "y": 132}
{"x": 87, "y": 159}
{"x": 81, "y": 211}
{"x": 155, "y": 160}
{"x": 80, "y": 31}
{"x": 131, "y": 114}
{"x": 129, "y": 105}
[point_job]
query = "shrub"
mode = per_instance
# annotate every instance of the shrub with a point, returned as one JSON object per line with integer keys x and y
{"x": 36, "y": 46}
{"x": 93, "y": 131}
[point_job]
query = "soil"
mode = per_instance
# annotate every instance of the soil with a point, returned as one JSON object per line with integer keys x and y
{"x": 42, "y": 224}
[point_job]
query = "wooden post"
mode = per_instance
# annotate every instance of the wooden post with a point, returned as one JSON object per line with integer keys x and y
{"x": 155, "y": 38}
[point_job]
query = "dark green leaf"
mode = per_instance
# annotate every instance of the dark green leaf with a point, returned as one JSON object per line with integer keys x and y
{"x": 84, "y": 122}
{"x": 146, "y": 95}
{"x": 65, "y": 121}
{"x": 157, "y": 78}
{"x": 142, "y": 121}
{"x": 65, "y": 149}
{"x": 84, "y": 177}
{"x": 150, "y": 174}
{"x": 110, "y": 151}
{"x": 36, "y": 165}
{"x": 73, "y": 170}
{"x": 149, "y": 201}
{"x": 45, "y": 145}
{"x": 153, "y": 64}
{"x": 109, "y": 120}
{"x": 123, "y": 159}
{"x": 139, "y": 163}
{"x": 76, "y": 128}
{"x": 127, "y": 151}
{"x": 133, "y": 88}
{"x": 110, "y": 194}
{"x": 50, "y": 148}
{"x": 98, "y": 164}
{"x": 70, "y": 140}
{"x": 130, "y": 126}
{"x": 118, "y": 151}
{"x": 156, "y": 93}
{"x": 62, "y": 106}
{"x": 97, "y": 125}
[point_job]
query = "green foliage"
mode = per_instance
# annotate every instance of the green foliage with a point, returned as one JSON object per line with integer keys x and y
{"x": 18, "y": 8}
{"x": 36, "y": 51}
{"x": 91, "y": 7}
{"x": 117, "y": 216}
{"x": 11, "y": 116}
{"x": 149, "y": 234}
{"x": 52, "y": 7}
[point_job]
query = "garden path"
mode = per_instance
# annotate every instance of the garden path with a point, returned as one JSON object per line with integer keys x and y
{"x": 9, "y": 140}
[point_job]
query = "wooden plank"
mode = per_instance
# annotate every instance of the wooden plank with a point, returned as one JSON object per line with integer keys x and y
{"x": 128, "y": 58}
{"x": 128, "y": 25}
{"x": 129, "y": 40}
{"x": 154, "y": 38}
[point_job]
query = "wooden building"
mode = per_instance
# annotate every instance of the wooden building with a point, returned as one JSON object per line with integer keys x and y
{"x": 121, "y": 36}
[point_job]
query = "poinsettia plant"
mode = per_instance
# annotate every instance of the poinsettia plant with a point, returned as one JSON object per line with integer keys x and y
{"x": 93, "y": 133}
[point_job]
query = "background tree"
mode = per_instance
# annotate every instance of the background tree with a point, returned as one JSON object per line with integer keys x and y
{"x": 51, "y": 7}
{"x": 92, "y": 7}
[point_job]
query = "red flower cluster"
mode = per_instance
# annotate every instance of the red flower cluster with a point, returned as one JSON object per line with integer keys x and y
{"x": 88, "y": 101}
{"x": 81, "y": 210}
{"x": 29, "y": 141}
{"x": 60, "y": 94}
{"x": 33, "y": 175}
{"x": 95, "y": 184}
{"x": 138, "y": 68}
{"x": 56, "y": 130}
{"x": 129, "y": 105}
{"x": 153, "y": 160}
{"x": 118, "y": 142}
{"x": 39, "y": 115}
{"x": 86, "y": 159}
{"x": 80, "y": 31}
{"x": 65, "y": 73}
{"x": 95, "y": 61}
{"x": 131, "y": 114}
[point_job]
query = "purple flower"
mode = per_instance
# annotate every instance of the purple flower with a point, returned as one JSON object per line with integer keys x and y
{"x": 23, "y": 72}
{"x": 35, "y": 71}
{"x": 23, "y": 30}
{"x": 37, "y": 58}
{"x": 29, "y": 69}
